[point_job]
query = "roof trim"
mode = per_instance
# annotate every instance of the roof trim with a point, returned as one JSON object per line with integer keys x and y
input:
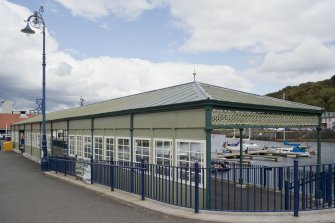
{"x": 201, "y": 91}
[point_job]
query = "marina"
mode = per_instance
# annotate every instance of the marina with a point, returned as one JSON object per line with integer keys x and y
{"x": 267, "y": 156}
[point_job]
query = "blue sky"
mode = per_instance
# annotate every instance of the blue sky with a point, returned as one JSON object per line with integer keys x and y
{"x": 105, "y": 49}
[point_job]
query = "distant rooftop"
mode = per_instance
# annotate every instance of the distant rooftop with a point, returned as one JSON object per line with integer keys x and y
{"x": 8, "y": 119}
{"x": 192, "y": 92}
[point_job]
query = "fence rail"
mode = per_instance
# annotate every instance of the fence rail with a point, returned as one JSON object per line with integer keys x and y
{"x": 250, "y": 188}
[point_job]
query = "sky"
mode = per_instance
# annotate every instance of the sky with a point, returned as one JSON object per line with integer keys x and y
{"x": 104, "y": 49}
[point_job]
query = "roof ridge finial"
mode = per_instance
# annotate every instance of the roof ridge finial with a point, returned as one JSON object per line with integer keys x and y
{"x": 194, "y": 73}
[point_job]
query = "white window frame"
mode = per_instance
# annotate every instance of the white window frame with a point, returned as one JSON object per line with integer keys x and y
{"x": 17, "y": 136}
{"x": 98, "y": 151}
{"x": 140, "y": 147}
{"x": 162, "y": 157}
{"x": 79, "y": 146}
{"x": 48, "y": 136}
{"x": 202, "y": 162}
{"x": 72, "y": 145}
{"x": 121, "y": 151}
{"x": 27, "y": 138}
{"x": 12, "y": 136}
{"x": 34, "y": 139}
{"x": 38, "y": 140}
{"x": 109, "y": 148}
{"x": 87, "y": 146}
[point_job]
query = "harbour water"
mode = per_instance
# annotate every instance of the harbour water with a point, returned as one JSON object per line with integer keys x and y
{"x": 327, "y": 151}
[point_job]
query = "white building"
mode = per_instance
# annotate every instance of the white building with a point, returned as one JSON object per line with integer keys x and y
{"x": 328, "y": 120}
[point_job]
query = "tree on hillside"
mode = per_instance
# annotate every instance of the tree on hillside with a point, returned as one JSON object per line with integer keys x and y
{"x": 321, "y": 93}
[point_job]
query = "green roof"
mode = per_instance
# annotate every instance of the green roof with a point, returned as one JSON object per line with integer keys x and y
{"x": 179, "y": 95}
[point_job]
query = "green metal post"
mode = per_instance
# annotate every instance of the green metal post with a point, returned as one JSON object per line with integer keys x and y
{"x": 318, "y": 128}
{"x": 208, "y": 129}
{"x": 67, "y": 136}
{"x": 31, "y": 139}
{"x": 241, "y": 156}
{"x": 92, "y": 139}
{"x": 51, "y": 138}
{"x": 131, "y": 129}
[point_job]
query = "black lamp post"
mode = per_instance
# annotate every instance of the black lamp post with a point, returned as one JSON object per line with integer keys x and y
{"x": 36, "y": 20}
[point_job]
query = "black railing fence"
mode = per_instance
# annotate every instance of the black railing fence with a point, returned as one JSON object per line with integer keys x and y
{"x": 250, "y": 188}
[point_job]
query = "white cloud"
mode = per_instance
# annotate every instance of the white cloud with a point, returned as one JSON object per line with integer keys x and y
{"x": 310, "y": 56}
{"x": 129, "y": 9}
{"x": 216, "y": 25}
{"x": 311, "y": 60}
{"x": 256, "y": 26}
{"x": 94, "y": 78}
{"x": 292, "y": 35}
{"x": 104, "y": 78}
{"x": 105, "y": 26}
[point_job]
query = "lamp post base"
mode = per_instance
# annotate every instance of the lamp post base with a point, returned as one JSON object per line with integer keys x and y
{"x": 44, "y": 164}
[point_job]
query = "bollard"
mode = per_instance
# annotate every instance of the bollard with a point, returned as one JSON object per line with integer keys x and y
{"x": 296, "y": 188}
{"x": 196, "y": 190}
{"x": 91, "y": 163}
{"x": 111, "y": 174}
{"x": 142, "y": 179}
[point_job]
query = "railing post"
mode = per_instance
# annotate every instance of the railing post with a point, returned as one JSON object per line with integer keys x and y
{"x": 296, "y": 188}
{"x": 111, "y": 174}
{"x": 196, "y": 190}
{"x": 329, "y": 186}
{"x": 264, "y": 178}
{"x": 65, "y": 165}
{"x": 91, "y": 163}
{"x": 142, "y": 179}
{"x": 287, "y": 192}
{"x": 56, "y": 161}
{"x": 280, "y": 178}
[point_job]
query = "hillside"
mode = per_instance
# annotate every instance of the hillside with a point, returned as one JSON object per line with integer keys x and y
{"x": 321, "y": 93}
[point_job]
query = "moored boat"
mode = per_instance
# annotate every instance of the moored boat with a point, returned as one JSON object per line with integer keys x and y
{"x": 291, "y": 149}
{"x": 246, "y": 146}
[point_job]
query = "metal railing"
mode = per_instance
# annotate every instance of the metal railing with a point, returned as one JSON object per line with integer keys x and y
{"x": 263, "y": 189}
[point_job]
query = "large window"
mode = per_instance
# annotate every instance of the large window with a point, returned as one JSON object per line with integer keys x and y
{"x": 16, "y": 136}
{"x": 79, "y": 146}
{"x": 187, "y": 153}
{"x": 109, "y": 148}
{"x": 163, "y": 152}
{"x": 48, "y": 142}
{"x": 123, "y": 153}
{"x": 27, "y": 138}
{"x": 39, "y": 140}
{"x": 142, "y": 150}
{"x": 34, "y": 139}
{"x": 98, "y": 145}
{"x": 87, "y": 146}
{"x": 72, "y": 145}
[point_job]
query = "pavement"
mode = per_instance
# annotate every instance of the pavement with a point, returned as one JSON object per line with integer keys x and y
{"x": 140, "y": 208}
{"x": 27, "y": 195}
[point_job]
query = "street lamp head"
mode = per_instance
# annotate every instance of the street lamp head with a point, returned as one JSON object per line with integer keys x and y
{"x": 28, "y": 29}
